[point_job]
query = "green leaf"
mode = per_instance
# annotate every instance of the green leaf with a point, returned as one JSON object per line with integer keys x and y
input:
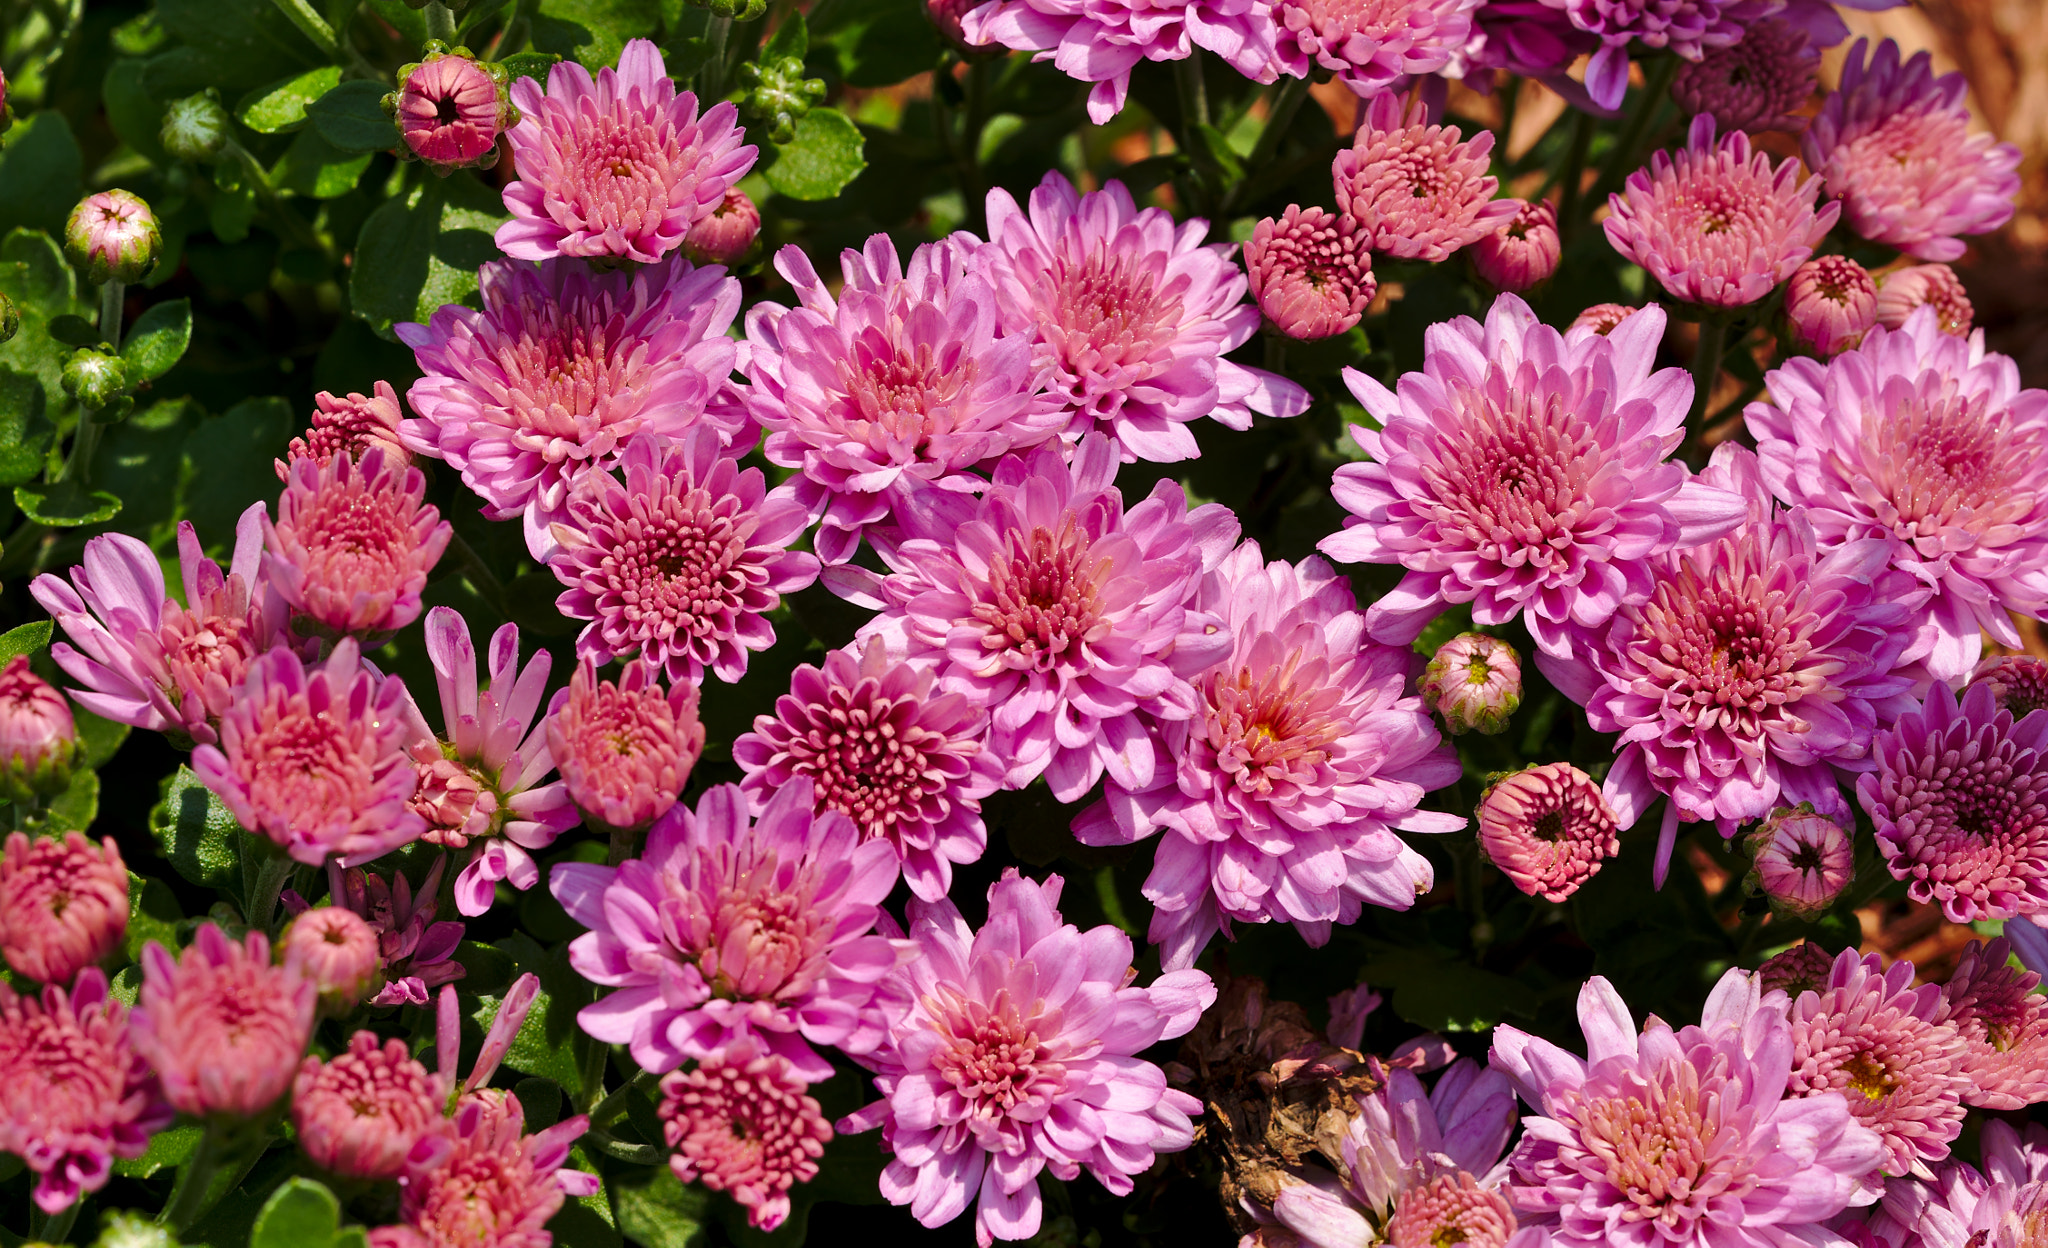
{"x": 75, "y": 808}
{"x": 196, "y": 834}
{"x": 791, "y": 38}
{"x": 167, "y": 1149}
{"x": 136, "y": 118}
{"x": 41, "y": 173}
{"x": 535, "y": 65}
{"x": 485, "y": 970}
{"x": 421, "y": 250}
{"x": 98, "y": 738}
{"x": 231, "y": 44}
{"x": 592, "y": 31}
{"x": 65, "y": 504}
{"x": 153, "y": 914}
{"x": 351, "y": 117}
{"x": 233, "y": 453}
{"x": 142, "y": 461}
{"x": 825, "y": 155}
{"x": 301, "y": 1214}
{"x": 879, "y": 42}
{"x": 313, "y": 167}
{"x": 27, "y": 639}
{"x": 660, "y": 1212}
{"x": 23, "y": 430}
{"x": 1445, "y": 994}
{"x": 36, "y": 275}
{"x": 281, "y": 106}
{"x": 158, "y": 340}
{"x": 75, "y": 331}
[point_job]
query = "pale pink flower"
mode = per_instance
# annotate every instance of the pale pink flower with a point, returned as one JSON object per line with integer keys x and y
{"x": 352, "y": 545}
{"x": 38, "y": 740}
{"x": 1019, "y": 1054}
{"x": 364, "y": 1113}
{"x": 349, "y": 426}
{"x": 622, "y": 166}
{"x": 1474, "y": 682}
{"x": 563, "y": 366}
{"x": 1601, "y": 318}
{"x": 314, "y": 758}
{"x": 415, "y": 951}
{"x": 1830, "y": 304}
{"x": 1900, "y": 291}
{"x": 682, "y": 561}
{"x": 2004, "y": 1205}
{"x": 1714, "y": 224}
{"x": 1548, "y": 829}
{"x": 2019, "y": 682}
{"x": 1758, "y": 83}
{"x": 1132, "y": 314}
{"x": 1310, "y": 271}
{"x": 740, "y": 1122}
{"x": 1372, "y": 46}
{"x": 1802, "y": 861}
{"x": 1688, "y": 28}
{"x": 2004, "y": 1024}
{"x": 63, "y": 904}
{"x": 1522, "y": 253}
{"x": 74, "y": 1094}
{"x": 223, "y": 1027}
{"x": 1894, "y": 142}
{"x": 624, "y": 748}
{"x": 725, "y": 236}
{"x": 450, "y": 111}
{"x": 336, "y": 950}
{"x": 1415, "y": 189}
{"x": 494, "y": 1186}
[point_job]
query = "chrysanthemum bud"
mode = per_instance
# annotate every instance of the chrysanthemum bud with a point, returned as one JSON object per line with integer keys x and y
{"x": 1474, "y": 682}
{"x": 1311, "y": 271}
{"x": 1902, "y": 290}
{"x": 1803, "y": 861}
{"x": 63, "y": 904}
{"x": 112, "y": 235}
{"x": 1802, "y": 968}
{"x": 2019, "y": 682}
{"x": 1521, "y": 253}
{"x": 38, "y": 741}
{"x": 725, "y": 235}
{"x": 1548, "y": 829}
{"x": 196, "y": 128}
{"x": 1830, "y": 304}
{"x": 337, "y": 950}
{"x": 946, "y": 15}
{"x": 95, "y": 378}
{"x": 450, "y": 109}
{"x": 1601, "y": 318}
{"x": 779, "y": 96}
{"x": 133, "y": 1230}
{"x": 10, "y": 319}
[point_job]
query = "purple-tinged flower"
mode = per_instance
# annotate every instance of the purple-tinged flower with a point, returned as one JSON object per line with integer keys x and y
{"x": 1017, "y": 1054}
{"x": 416, "y": 952}
{"x": 335, "y": 949}
{"x": 884, "y": 746}
{"x": 682, "y": 561}
{"x": 1131, "y": 313}
{"x": 1527, "y": 39}
{"x": 1681, "y": 1136}
{"x": 624, "y": 748}
{"x": 63, "y": 904}
{"x": 2018, "y": 682}
{"x": 112, "y": 236}
{"x": 1525, "y": 472}
{"x": 1302, "y": 758}
{"x": 450, "y": 110}
{"x": 1804, "y": 967}
{"x": 1758, "y": 83}
{"x": 349, "y": 426}
{"x": 1601, "y": 318}
{"x": 38, "y": 740}
{"x": 2005, "y": 1205}
{"x": 1753, "y": 677}
{"x": 1310, "y": 271}
{"x": 1475, "y": 682}
{"x": 352, "y": 545}
{"x": 1714, "y": 224}
{"x": 1926, "y": 441}
{"x": 144, "y": 659}
{"x": 1416, "y": 190}
{"x": 1065, "y": 616}
{"x": 480, "y": 785}
{"x": 1522, "y": 253}
{"x": 74, "y": 1094}
{"x": 904, "y": 377}
{"x": 725, "y": 931}
{"x": 363, "y": 1114}
{"x": 2004, "y": 1024}
{"x": 1100, "y": 43}
{"x": 1802, "y": 861}
{"x": 1371, "y": 45}
{"x": 1901, "y": 291}
{"x": 314, "y": 758}
{"x": 740, "y": 1122}
{"x": 1548, "y": 829}
{"x": 725, "y": 236}
{"x": 494, "y": 1186}
{"x": 1868, "y": 1035}
{"x": 560, "y": 369}
{"x": 223, "y": 1027}
{"x": 1893, "y": 142}
{"x": 1689, "y": 28}
{"x": 1830, "y": 304}
{"x": 622, "y": 166}
{"x": 1348, "y": 1011}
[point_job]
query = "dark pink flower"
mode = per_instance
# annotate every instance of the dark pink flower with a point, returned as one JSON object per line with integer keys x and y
{"x": 352, "y": 545}
{"x": 1758, "y": 83}
{"x": 1601, "y": 318}
{"x": 363, "y": 1114}
{"x": 1803, "y": 860}
{"x": 2019, "y": 682}
{"x": 63, "y": 904}
{"x": 450, "y": 111}
{"x": 417, "y": 953}
{"x": 1417, "y": 190}
{"x": 495, "y": 1186}
{"x": 1900, "y": 291}
{"x": 1311, "y": 272}
{"x": 1804, "y": 967}
{"x": 38, "y": 740}
{"x": 1521, "y": 253}
{"x": 1372, "y": 46}
{"x": 2004, "y": 1024}
{"x": 1548, "y": 829}
{"x": 1830, "y": 304}
{"x": 622, "y": 166}
{"x": 1688, "y": 28}
{"x": 349, "y": 426}
{"x": 624, "y": 749}
{"x": 335, "y": 949}
{"x": 1474, "y": 682}
{"x": 741, "y": 1123}
{"x": 724, "y": 236}
{"x": 222, "y": 1026}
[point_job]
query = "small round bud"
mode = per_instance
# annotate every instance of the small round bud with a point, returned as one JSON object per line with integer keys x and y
{"x": 133, "y": 1230}
{"x": 1474, "y": 682}
{"x": 1601, "y": 318}
{"x": 725, "y": 235}
{"x": 1830, "y": 305}
{"x": 95, "y": 378}
{"x": 10, "y": 319}
{"x": 336, "y": 950}
{"x": 1522, "y": 253}
{"x": 450, "y": 110}
{"x": 779, "y": 95}
{"x": 196, "y": 128}
{"x": 1903, "y": 290}
{"x": 1804, "y": 860}
{"x": 1802, "y": 968}
{"x": 38, "y": 741}
{"x": 1549, "y": 829}
{"x": 112, "y": 236}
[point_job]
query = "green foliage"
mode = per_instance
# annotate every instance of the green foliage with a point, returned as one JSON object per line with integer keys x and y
{"x": 825, "y": 155}
{"x": 41, "y": 173}
{"x": 197, "y": 834}
{"x": 421, "y": 250}
{"x": 351, "y": 119}
{"x": 281, "y": 106}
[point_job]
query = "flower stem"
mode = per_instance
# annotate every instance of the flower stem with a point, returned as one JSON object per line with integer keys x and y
{"x": 1706, "y": 367}
{"x": 611, "y": 1146}
{"x": 712, "y": 76}
{"x": 1627, "y": 153}
{"x": 112, "y": 292}
{"x": 188, "y": 1194}
{"x": 440, "y": 22}
{"x": 1286, "y": 102}
{"x": 54, "y": 1228}
{"x": 612, "y": 1106}
{"x": 1194, "y": 92}
{"x": 272, "y": 873}
{"x": 1574, "y": 173}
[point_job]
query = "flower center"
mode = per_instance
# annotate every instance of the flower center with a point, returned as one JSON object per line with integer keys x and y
{"x": 1511, "y": 472}
{"x": 1946, "y": 463}
{"x": 621, "y": 167}
{"x": 1450, "y": 1211}
{"x": 1869, "y": 1076}
{"x": 457, "y": 801}
{"x": 1043, "y": 598}
{"x": 867, "y": 764}
{"x": 1108, "y": 310}
{"x": 306, "y": 764}
{"x": 63, "y": 1077}
{"x": 1728, "y": 647}
{"x": 1336, "y": 21}
{"x": 752, "y": 927}
{"x": 901, "y": 390}
{"x": 992, "y": 1054}
{"x": 673, "y": 562}
{"x": 1654, "y": 1143}
{"x": 572, "y": 373}
{"x": 1272, "y": 728}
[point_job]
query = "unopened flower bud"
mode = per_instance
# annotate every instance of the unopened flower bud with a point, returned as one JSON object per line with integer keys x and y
{"x": 1830, "y": 304}
{"x": 779, "y": 96}
{"x": 1601, "y": 318}
{"x": 624, "y": 750}
{"x": 196, "y": 128}
{"x": 725, "y": 235}
{"x": 1803, "y": 861}
{"x": 450, "y": 109}
{"x": 1802, "y": 968}
{"x": 63, "y": 904}
{"x": 10, "y": 320}
{"x": 1521, "y": 253}
{"x": 1903, "y": 290}
{"x": 946, "y": 15}
{"x": 112, "y": 236}
{"x": 133, "y": 1230}
{"x": 1474, "y": 682}
{"x": 336, "y": 950}
{"x": 38, "y": 741}
{"x": 1311, "y": 271}
{"x": 1549, "y": 829}
{"x": 2019, "y": 682}
{"x": 95, "y": 378}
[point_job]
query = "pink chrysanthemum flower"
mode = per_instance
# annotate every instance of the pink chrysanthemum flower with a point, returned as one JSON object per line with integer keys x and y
{"x": 1548, "y": 829}
{"x": 1131, "y": 313}
{"x": 63, "y": 904}
{"x": 480, "y": 785}
{"x": 415, "y": 951}
{"x": 682, "y": 561}
{"x": 1521, "y": 253}
{"x": 1758, "y": 83}
{"x": 902, "y": 377}
{"x": 1371, "y": 45}
{"x": 1018, "y": 1054}
{"x": 622, "y": 166}
{"x": 74, "y": 1094}
{"x": 1416, "y": 190}
{"x": 315, "y": 758}
{"x": 1753, "y": 677}
{"x": 1901, "y": 291}
{"x": 449, "y": 111}
{"x": 363, "y": 1114}
{"x": 1303, "y": 756}
{"x": 2005, "y": 1205}
{"x": 1927, "y": 441}
{"x": 560, "y": 369}
{"x": 1959, "y": 798}
{"x": 1681, "y": 1136}
{"x": 495, "y": 1186}
{"x": 624, "y": 748}
{"x": 1803, "y": 860}
{"x": 1524, "y": 472}
{"x": 349, "y": 426}
{"x": 352, "y": 545}
{"x": 1689, "y": 28}
{"x": 882, "y": 745}
{"x": 2019, "y": 682}
{"x": 1830, "y": 304}
{"x": 1425, "y": 1168}
{"x": 336, "y": 950}
{"x": 222, "y": 1026}
{"x": 741, "y": 1123}
{"x": 1310, "y": 271}
{"x": 1601, "y": 318}
{"x": 1061, "y": 613}
{"x": 1474, "y": 682}
{"x": 727, "y": 234}
{"x": 1804, "y": 967}
{"x": 143, "y": 658}
{"x": 2004, "y": 1024}
{"x": 1894, "y": 142}
{"x": 1714, "y": 224}
{"x": 1868, "y": 1035}
{"x": 1100, "y": 43}
{"x": 1528, "y": 39}
{"x": 761, "y": 932}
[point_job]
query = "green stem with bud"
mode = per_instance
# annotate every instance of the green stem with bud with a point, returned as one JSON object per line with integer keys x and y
{"x": 188, "y": 1194}
{"x": 1706, "y": 368}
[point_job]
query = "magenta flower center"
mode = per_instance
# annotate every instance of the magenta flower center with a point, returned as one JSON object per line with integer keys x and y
{"x": 354, "y": 535}
{"x": 1110, "y": 311}
{"x": 673, "y": 563}
{"x": 568, "y": 380}
{"x": 307, "y": 762}
{"x": 623, "y": 168}
{"x": 1727, "y": 648}
{"x": 1275, "y": 727}
{"x": 761, "y": 936}
{"x": 1043, "y": 598}
{"x": 474, "y": 1198}
{"x": 867, "y": 764}
{"x": 903, "y": 390}
{"x": 1450, "y": 1211}
{"x": 993, "y": 1055}
{"x": 1911, "y": 141}
{"x": 1336, "y": 21}
{"x": 1947, "y": 462}
{"x": 58, "y": 1075}
{"x": 209, "y": 641}
{"x": 1512, "y": 475}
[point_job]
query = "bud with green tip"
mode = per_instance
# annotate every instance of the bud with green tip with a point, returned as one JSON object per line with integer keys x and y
{"x": 1474, "y": 682}
{"x": 133, "y": 1230}
{"x": 112, "y": 236}
{"x": 95, "y": 378}
{"x": 10, "y": 320}
{"x": 196, "y": 128}
{"x": 779, "y": 96}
